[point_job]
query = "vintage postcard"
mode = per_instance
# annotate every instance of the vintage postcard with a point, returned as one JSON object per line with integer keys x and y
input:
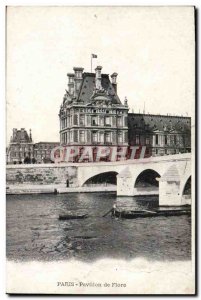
{"x": 100, "y": 153}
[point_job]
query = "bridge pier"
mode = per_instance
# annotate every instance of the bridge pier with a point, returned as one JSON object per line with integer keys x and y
{"x": 169, "y": 193}
{"x": 125, "y": 183}
{"x": 171, "y": 188}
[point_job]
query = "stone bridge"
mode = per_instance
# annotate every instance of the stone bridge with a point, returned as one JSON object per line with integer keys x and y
{"x": 172, "y": 173}
{"x": 166, "y": 176}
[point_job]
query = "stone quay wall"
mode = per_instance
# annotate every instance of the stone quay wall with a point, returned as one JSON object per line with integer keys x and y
{"x": 38, "y": 174}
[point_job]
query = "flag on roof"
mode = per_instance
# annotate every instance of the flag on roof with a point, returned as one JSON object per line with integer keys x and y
{"x": 94, "y": 56}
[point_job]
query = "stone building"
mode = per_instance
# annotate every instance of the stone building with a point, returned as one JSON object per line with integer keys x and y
{"x": 21, "y": 146}
{"x": 22, "y": 150}
{"x": 42, "y": 151}
{"x": 91, "y": 112}
{"x": 162, "y": 135}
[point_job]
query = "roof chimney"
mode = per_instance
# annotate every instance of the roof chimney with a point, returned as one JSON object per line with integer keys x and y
{"x": 30, "y": 135}
{"x": 114, "y": 81}
{"x": 14, "y": 133}
{"x": 71, "y": 83}
{"x": 78, "y": 79}
{"x": 98, "y": 77}
{"x": 22, "y": 133}
{"x": 125, "y": 101}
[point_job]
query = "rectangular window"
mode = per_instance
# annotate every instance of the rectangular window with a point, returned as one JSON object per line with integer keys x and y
{"x": 101, "y": 119}
{"x": 94, "y": 121}
{"x": 82, "y": 136}
{"x": 119, "y": 121}
{"x": 114, "y": 140}
{"x": 107, "y": 137}
{"x": 82, "y": 117}
{"x": 125, "y": 121}
{"x": 71, "y": 136}
{"x": 171, "y": 140}
{"x": 137, "y": 139}
{"x": 94, "y": 137}
{"x": 101, "y": 136}
{"x": 126, "y": 137}
{"x": 157, "y": 140}
{"x": 88, "y": 136}
{"x": 107, "y": 121}
{"x": 120, "y": 137}
{"x": 75, "y": 120}
{"x": 165, "y": 139}
{"x": 113, "y": 121}
{"x": 147, "y": 141}
{"x": 75, "y": 136}
{"x": 88, "y": 120}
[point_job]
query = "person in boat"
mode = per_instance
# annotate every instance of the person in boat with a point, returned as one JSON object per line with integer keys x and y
{"x": 114, "y": 207}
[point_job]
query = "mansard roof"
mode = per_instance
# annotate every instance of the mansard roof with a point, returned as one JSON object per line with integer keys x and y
{"x": 20, "y": 136}
{"x": 88, "y": 85}
{"x": 159, "y": 123}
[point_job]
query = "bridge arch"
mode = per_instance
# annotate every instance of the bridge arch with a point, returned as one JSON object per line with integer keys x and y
{"x": 147, "y": 178}
{"x": 187, "y": 187}
{"x": 104, "y": 178}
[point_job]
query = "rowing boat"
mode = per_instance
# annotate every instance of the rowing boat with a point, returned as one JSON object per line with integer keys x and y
{"x": 155, "y": 213}
{"x": 72, "y": 217}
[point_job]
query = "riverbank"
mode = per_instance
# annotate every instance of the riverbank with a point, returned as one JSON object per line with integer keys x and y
{"x": 56, "y": 189}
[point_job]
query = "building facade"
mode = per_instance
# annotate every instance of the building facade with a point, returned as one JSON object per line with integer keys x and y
{"x": 42, "y": 151}
{"x": 92, "y": 113}
{"x": 21, "y": 146}
{"x": 162, "y": 135}
{"x": 22, "y": 150}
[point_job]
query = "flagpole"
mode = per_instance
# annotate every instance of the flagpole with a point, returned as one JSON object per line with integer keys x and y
{"x": 92, "y": 56}
{"x": 91, "y": 63}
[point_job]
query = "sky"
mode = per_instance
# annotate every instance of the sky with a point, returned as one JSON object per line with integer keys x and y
{"x": 151, "y": 49}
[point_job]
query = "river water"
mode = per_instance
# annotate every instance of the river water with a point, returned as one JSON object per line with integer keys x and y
{"x": 35, "y": 233}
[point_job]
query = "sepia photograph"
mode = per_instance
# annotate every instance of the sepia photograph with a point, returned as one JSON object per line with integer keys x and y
{"x": 100, "y": 150}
